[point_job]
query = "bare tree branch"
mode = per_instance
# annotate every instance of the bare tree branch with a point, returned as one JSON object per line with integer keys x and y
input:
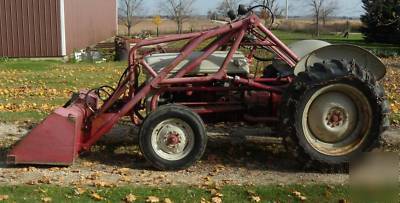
{"x": 328, "y": 10}
{"x": 130, "y": 9}
{"x": 321, "y": 9}
{"x": 179, "y": 10}
{"x": 271, "y": 4}
{"x": 226, "y": 5}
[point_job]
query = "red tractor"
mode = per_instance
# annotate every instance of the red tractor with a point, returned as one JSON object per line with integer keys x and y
{"x": 324, "y": 97}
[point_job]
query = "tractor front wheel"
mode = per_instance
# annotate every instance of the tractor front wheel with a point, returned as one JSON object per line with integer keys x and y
{"x": 339, "y": 111}
{"x": 173, "y": 137}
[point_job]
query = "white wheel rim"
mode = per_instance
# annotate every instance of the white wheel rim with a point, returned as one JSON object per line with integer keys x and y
{"x": 353, "y": 119}
{"x": 172, "y": 139}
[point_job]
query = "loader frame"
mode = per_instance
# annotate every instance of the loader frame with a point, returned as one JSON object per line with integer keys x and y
{"x": 101, "y": 121}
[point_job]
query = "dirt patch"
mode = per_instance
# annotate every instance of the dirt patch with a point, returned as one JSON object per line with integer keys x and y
{"x": 116, "y": 160}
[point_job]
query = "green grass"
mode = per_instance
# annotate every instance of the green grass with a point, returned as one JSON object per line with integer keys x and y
{"x": 267, "y": 193}
{"x": 24, "y": 82}
{"x": 272, "y": 193}
{"x": 354, "y": 38}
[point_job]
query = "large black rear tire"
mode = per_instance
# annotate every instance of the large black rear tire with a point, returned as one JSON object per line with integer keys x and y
{"x": 173, "y": 137}
{"x": 334, "y": 111}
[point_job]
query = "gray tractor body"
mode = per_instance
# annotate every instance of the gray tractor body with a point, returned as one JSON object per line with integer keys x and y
{"x": 238, "y": 65}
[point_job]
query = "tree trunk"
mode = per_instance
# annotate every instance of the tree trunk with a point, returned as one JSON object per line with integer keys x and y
{"x": 317, "y": 26}
{"x": 129, "y": 30}
{"x": 179, "y": 23}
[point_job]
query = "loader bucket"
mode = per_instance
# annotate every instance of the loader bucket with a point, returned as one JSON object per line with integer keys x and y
{"x": 56, "y": 141}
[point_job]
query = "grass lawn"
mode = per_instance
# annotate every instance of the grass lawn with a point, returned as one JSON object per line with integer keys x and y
{"x": 293, "y": 193}
{"x": 31, "y": 89}
{"x": 354, "y": 38}
{"x": 270, "y": 193}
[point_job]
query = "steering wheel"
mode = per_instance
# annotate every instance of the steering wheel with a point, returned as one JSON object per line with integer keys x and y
{"x": 265, "y": 13}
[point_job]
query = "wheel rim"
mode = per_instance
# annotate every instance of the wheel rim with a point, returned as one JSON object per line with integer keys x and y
{"x": 172, "y": 139}
{"x": 337, "y": 119}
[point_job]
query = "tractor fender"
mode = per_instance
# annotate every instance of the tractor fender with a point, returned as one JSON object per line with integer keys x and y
{"x": 302, "y": 49}
{"x": 363, "y": 57}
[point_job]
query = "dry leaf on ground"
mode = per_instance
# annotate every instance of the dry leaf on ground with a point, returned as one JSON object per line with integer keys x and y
{"x": 152, "y": 199}
{"x": 130, "y": 198}
{"x": 79, "y": 191}
{"x": 216, "y": 200}
{"x": 167, "y": 200}
{"x": 255, "y": 198}
{"x": 4, "y": 197}
{"x": 96, "y": 196}
{"x": 46, "y": 199}
{"x": 299, "y": 195}
{"x": 203, "y": 200}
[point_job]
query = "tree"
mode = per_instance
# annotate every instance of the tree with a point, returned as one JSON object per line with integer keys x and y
{"x": 320, "y": 8}
{"x": 271, "y": 4}
{"x": 212, "y": 15}
{"x": 381, "y": 21}
{"x": 328, "y": 10}
{"x": 130, "y": 9}
{"x": 179, "y": 11}
{"x": 157, "y": 22}
{"x": 226, "y": 5}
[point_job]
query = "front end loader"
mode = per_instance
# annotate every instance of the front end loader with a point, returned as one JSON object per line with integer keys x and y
{"x": 323, "y": 97}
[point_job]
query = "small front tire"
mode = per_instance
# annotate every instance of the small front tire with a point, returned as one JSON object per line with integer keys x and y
{"x": 173, "y": 137}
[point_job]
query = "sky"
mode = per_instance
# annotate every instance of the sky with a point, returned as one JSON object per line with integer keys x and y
{"x": 350, "y": 8}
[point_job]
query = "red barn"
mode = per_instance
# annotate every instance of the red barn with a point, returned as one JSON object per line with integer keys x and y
{"x": 54, "y": 28}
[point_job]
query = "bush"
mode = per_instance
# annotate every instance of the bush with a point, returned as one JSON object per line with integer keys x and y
{"x": 381, "y": 22}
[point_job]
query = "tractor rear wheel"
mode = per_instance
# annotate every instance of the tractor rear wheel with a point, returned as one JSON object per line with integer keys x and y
{"x": 335, "y": 110}
{"x": 173, "y": 137}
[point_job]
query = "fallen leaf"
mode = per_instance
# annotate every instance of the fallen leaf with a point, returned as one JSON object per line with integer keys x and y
{"x": 44, "y": 180}
{"x": 152, "y": 199}
{"x": 299, "y": 195}
{"x": 216, "y": 200}
{"x": 96, "y": 196}
{"x": 167, "y": 200}
{"x": 218, "y": 194}
{"x": 302, "y": 198}
{"x": 130, "y": 198}
{"x": 46, "y": 199}
{"x": 255, "y": 199}
{"x": 121, "y": 171}
{"x": 3, "y": 197}
{"x": 296, "y": 193}
{"x": 79, "y": 191}
{"x": 102, "y": 184}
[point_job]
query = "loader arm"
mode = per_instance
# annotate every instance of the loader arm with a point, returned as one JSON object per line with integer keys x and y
{"x": 93, "y": 123}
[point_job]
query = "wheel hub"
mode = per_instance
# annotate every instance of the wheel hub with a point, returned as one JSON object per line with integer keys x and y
{"x": 332, "y": 117}
{"x": 335, "y": 117}
{"x": 172, "y": 139}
